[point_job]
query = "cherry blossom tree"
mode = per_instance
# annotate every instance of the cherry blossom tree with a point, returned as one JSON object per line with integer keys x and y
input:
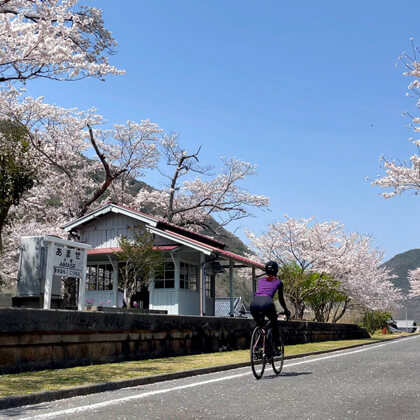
{"x": 414, "y": 280}
{"x": 52, "y": 39}
{"x": 305, "y": 251}
{"x": 192, "y": 201}
{"x": 77, "y": 160}
{"x": 326, "y": 250}
{"x": 364, "y": 281}
{"x": 400, "y": 177}
{"x": 405, "y": 176}
{"x": 301, "y": 249}
{"x": 62, "y": 138}
{"x": 70, "y": 183}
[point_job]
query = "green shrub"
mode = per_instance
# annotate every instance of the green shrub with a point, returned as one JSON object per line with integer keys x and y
{"x": 375, "y": 320}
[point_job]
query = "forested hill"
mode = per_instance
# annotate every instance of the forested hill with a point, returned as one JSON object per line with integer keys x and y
{"x": 400, "y": 265}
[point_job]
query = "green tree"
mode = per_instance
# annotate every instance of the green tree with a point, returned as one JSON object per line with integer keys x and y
{"x": 328, "y": 302}
{"x": 295, "y": 287}
{"x": 305, "y": 289}
{"x": 375, "y": 320}
{"x": 17, "y": 171}
{"x": 140, "y": 258}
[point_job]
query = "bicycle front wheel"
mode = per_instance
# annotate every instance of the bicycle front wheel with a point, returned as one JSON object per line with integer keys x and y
{"x": 258, "y": 352}
{"x": 278, "y": 360}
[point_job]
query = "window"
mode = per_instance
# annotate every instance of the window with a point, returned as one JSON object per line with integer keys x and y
{"x": 99, "y": 277}
{"x": 166, "y": 280}
{"x": 188, "y": 276}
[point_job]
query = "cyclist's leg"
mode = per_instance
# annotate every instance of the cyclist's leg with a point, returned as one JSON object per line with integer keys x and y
{"x": 258, "y": 317}
{"x": 271, "y": 314}
{"x": 257, "y": 311}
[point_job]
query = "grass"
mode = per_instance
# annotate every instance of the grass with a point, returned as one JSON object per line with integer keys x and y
{"x": 49, "y": 380}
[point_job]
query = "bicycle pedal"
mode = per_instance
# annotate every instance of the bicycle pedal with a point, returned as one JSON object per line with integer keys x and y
{"x": 277, "y": 352}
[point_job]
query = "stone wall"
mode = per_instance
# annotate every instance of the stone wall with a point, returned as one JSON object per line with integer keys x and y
{"x": 5, "y": 300}
{"x": 33, "y": 339}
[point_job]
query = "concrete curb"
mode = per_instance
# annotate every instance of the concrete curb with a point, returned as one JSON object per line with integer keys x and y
{"x": 40, "y": 397}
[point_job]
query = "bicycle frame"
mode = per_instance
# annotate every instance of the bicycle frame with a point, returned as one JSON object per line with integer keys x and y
{"x": 264, "y": 337}
{"x": 259, "y": 354}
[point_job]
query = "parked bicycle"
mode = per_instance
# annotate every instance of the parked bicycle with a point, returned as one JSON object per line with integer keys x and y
{"x": 264, "y": 351}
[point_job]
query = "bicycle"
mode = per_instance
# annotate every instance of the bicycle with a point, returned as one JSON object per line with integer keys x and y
{"x": 263, "y": 350}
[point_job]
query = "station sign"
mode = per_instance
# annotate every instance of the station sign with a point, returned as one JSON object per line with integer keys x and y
{"x": 68, "y": 262}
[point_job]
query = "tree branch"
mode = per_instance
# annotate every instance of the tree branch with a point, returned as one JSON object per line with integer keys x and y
{"x": 109, "y": 176}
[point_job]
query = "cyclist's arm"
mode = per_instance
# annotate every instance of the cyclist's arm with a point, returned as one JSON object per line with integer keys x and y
{"x": 281, "y": 297}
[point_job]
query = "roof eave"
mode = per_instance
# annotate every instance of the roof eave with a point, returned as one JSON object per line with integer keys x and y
{"x": 181, "y": 240}
{"x": 109, "y": 208}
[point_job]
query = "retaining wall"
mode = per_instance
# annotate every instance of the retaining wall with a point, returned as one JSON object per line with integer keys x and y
{"x": 34, "y": 339}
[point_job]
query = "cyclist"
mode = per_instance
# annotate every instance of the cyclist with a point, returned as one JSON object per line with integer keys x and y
{"x": 262, "y": 304}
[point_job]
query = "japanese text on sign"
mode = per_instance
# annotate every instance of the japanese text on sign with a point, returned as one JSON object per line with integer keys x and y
{"x": 68, "y": 262}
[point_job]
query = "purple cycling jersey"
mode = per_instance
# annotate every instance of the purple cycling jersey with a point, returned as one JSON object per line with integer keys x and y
{"x": 267, "y": 288}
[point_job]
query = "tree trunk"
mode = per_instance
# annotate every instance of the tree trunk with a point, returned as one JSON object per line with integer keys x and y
{"x": 319, "y": 315}
{"x": 299, "y": 308}
{"x": 339, "y": 314}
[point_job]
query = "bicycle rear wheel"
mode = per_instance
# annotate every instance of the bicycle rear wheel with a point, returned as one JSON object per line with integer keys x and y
{"x": 278, "y": 360}
{"x": 257, "y": 352}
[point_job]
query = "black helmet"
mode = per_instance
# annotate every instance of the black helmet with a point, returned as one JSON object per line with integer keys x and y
{"x": 271, "y": 268}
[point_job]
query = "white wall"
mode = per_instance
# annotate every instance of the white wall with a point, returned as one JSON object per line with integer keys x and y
{"x": 189, "y": 302}
{"x": 163, "y": 299}
{"x": 104, "y": 233}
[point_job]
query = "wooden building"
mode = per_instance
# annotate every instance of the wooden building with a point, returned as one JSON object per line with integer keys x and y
{"x": 192, "y": 262}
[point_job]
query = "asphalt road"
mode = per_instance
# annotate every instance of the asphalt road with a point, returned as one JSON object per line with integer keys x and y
{"x": 380, "y": 381}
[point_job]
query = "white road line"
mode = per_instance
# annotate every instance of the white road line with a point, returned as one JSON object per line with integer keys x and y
{"x": 96, "y": 406}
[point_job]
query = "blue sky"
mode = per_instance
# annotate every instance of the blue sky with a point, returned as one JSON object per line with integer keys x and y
{"x": 311, "y": 92}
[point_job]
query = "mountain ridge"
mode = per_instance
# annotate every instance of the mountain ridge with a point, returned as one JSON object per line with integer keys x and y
{"x": 400, "y": 264}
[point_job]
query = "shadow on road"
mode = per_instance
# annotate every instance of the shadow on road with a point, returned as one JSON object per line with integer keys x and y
{"x": 19, "y": 411}
{"x": 295, "y": 373}
{"x": 283, "y": 374}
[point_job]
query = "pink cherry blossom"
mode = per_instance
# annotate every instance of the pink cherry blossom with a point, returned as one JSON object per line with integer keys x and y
{"x": 192, "y": 201}
{"x": 404, "y": 176}
{"x": 414, "y": 280}
{"x": 53, "y": 39}
{"x": 325, "y": 248}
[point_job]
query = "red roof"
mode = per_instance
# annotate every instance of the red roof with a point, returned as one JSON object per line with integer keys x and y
{"x": 240, "y": 258}
{"x": 223, "y": 252}
{"x": 208, "y": 242}
{"x": 192, "y": 233}
{"x": 99, "y": 251}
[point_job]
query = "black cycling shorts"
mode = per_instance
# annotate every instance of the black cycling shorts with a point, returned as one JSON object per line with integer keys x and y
{"x": 262, "y": 306}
